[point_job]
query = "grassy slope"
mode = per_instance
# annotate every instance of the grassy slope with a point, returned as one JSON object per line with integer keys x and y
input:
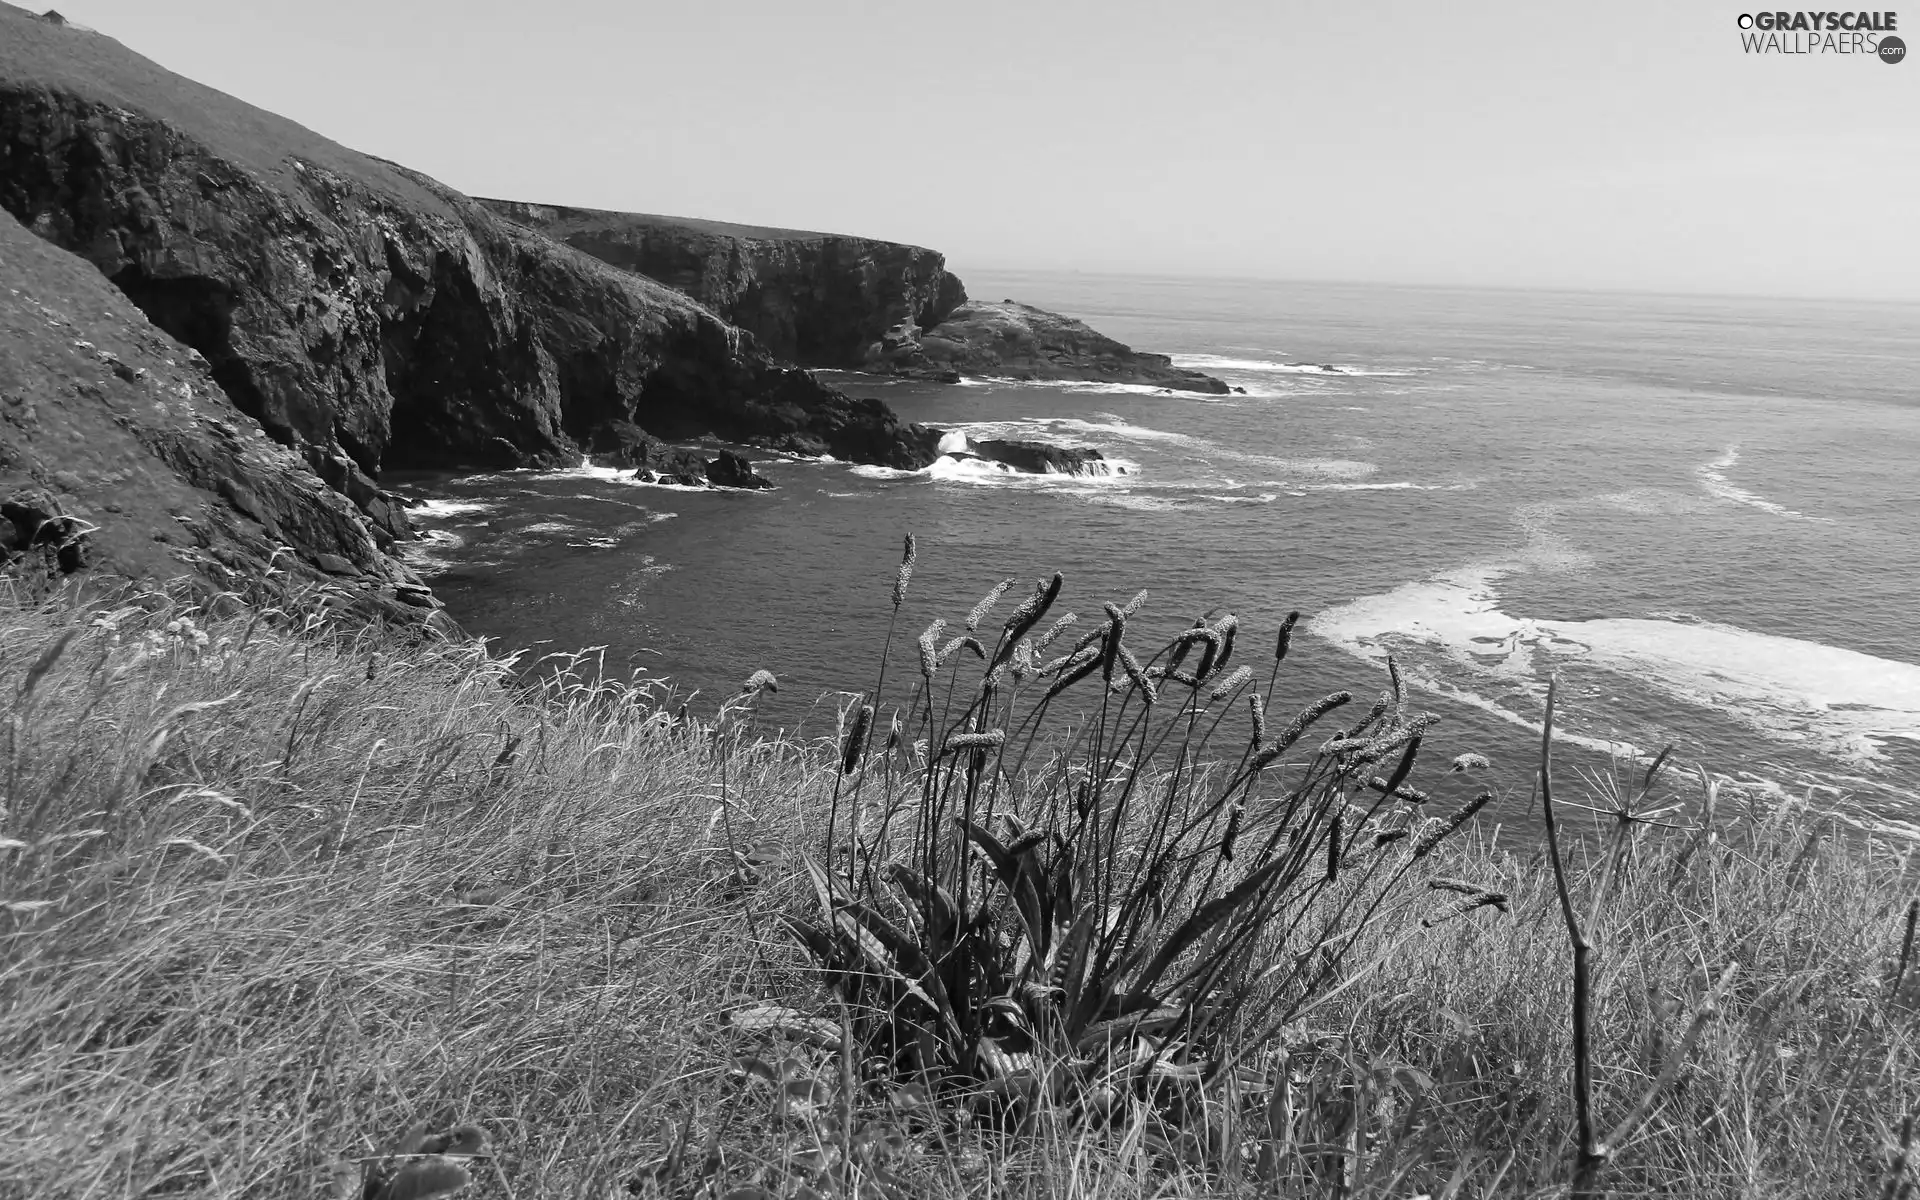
{"x": 367, "y": 885}
{"x": 569, "y": 219}
{"x": 93, "y": 65}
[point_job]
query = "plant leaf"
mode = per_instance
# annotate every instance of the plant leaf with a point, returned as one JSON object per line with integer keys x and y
{"x": 1210, "y": 914}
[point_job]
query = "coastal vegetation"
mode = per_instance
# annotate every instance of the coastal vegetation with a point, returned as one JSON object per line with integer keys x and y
{"x": 295, "y": 905}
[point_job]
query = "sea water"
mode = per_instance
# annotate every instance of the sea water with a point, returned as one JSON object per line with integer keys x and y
{"x": 1698, "y": 513}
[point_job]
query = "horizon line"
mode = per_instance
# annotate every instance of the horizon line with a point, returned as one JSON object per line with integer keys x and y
{"x": 1555, "y": 289}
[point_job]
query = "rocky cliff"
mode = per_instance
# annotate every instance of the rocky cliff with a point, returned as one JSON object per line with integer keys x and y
{"x": 1019, "y": 341}
{"x": 817, "y": 299}
{"x": 826, "y": 300}
{"x": 118, "y": 449}
{"x": 363, "y": 314}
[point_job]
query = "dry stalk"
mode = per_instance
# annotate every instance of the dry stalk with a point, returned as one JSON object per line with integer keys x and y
{"x": 1592, "y": 1153}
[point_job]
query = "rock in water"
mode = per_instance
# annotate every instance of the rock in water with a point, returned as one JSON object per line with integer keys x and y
{"x": 1039, "y": 458}
{"x": 1019, "y": 341}
{"x": 734, "y": 471}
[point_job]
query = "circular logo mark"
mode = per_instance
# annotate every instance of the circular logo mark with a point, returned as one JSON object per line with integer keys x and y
{"x": 1892, "y": 49}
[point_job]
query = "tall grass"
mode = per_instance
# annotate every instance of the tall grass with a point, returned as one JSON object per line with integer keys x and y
{"x": 275, "y": 891}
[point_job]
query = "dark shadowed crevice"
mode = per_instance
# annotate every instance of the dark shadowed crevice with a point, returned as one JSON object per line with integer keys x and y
{"x": 199, "y": 312}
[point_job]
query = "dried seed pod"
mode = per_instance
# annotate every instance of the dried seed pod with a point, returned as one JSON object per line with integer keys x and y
{"x": 1312, "y": 713}
{"x": 1285, "y": 638}
{"x": 906, "y": 574}
{"x": 979, "y": 611}
{"x": 1110, "y": 654}
{"x": 1232, "y": 834}
{"x": 1239, "y": 676}
{"x": 929, "y": 654}
{"x": 1060, "y": 626}
{"x": 856, "y": 745}
{"x": 974, "y": 741}
{"x": 1035, "y": 609}
{"x": 1447, "y": 827}
{"x": 1069, "y": 678}
{"x": 1132, "y": 667}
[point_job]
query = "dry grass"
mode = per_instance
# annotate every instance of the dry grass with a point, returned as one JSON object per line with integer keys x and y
{"x": 273, "y": 897}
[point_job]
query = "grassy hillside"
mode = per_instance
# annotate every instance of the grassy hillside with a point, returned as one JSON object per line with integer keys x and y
{"x": 274, "y": 891}
{"x": 37, "y": 53}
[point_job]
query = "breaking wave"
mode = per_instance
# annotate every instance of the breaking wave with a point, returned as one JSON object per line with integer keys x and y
{"x": 1713, "y": 477}
{"x": 1841, "y": 703}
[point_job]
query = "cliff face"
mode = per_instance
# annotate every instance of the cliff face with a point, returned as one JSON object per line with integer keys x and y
{"x": 118, "y": 449}
{"x": 817, "y": 299}
{"x": 364, "y": 314}
{"x": 857, "y": 304}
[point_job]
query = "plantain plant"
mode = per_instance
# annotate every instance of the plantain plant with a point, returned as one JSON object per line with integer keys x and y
{"x": 1089, "y": 877}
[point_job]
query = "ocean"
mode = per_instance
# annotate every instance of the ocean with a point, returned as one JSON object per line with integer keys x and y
{"x": 1697, "y": 512}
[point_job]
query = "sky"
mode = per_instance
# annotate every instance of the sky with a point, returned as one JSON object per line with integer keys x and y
{"x": 1625, "y": 146}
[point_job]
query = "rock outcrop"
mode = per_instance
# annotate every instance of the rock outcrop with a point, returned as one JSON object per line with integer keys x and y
{"x": 856, "y": 304}
{"x": 1021, "y": 456}
{"x": 816, "y": 299}
{"x": 1018, "y": 341}
{"x": 627, "y": 446}
{"x": 119, "y": 450}
{"x": 1039, "y": 458}
{"x": 365, "y": 315}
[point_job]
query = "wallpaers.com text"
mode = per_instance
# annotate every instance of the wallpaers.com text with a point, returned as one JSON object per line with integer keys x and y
{"x": 1865, "y": 33}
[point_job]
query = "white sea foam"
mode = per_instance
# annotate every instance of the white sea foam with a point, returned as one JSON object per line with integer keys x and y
{"x": 1220, "y": 362}
{"x": 1110, "y": 425}
{"x": 439, "y": 509}
{"x": 550, "y": 528}
{"x": 1084, "y": 387}
{"x": 960, "y": 460}
{"x": 1066, "y": 431}
{"x": 1404, "y": 485}
{"x": 1839, "y": 702}
{"x": 1138, "y": 502}
{"x": 967, "y": 469}
{"x": 430, "y": 552}
{"x": 869, "y": 471}
{"x": 624, "y": 476}
{"x": 1713, "y": 477}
